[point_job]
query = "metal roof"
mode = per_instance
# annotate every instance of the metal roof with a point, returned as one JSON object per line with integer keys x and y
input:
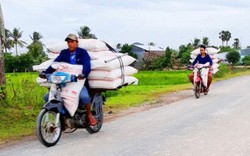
{"x": 245, "y": 52}
{"x": 149, "y": 48}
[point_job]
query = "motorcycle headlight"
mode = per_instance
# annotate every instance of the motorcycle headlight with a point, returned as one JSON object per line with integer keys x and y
{"x": 57, "y": 79}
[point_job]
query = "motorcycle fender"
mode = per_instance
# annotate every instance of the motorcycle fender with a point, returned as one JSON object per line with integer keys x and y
{"x": 197, "y": 79}
{"x": 54, "y": 105}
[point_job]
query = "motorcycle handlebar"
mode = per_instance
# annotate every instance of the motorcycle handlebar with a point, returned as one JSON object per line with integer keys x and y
{"x": 73, "y": 77}
{"x": 203, "y": 67}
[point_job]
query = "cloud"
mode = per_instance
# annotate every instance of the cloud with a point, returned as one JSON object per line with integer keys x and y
{"x": 70, "y": 19}
{"x": 168, "y": 23}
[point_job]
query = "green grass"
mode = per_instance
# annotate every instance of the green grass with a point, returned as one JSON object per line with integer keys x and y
{"x": 19, "y": 111}
{"x": 151, "y": 85}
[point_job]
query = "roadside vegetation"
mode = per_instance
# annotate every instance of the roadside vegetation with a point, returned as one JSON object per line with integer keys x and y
{"x": 24, "y": 100}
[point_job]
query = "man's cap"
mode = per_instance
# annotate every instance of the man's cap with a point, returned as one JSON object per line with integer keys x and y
{"x": 72, "y": 37}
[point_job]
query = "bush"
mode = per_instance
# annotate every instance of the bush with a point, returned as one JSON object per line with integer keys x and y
{"x": 233, "y": 57}
{"x": 246, "y": 60}
{"x": 226, "y": 49}
{"x": 185, "y": 58}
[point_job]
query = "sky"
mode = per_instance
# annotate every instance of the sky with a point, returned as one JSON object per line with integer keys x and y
{"x": 164, "y": 22}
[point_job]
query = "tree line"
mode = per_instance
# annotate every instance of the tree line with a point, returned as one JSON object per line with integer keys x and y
{"x": 36, "y": 52}
{"x": 174, "y": 59}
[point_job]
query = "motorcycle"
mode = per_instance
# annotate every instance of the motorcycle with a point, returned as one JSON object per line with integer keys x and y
{"x": 54, "y": 118}
{"x": 200, "y": 79}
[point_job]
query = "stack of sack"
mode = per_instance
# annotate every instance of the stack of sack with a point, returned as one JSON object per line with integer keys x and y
{"x": 109, "y": 70}
{"x": 212, "y": 53}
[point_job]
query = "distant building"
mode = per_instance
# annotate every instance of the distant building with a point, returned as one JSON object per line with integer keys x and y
{"x": 146, "y": 51}
{"x": 222, "y": 57}
{"x": 244, "y": 52}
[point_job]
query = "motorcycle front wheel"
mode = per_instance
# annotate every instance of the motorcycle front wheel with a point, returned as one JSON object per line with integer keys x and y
{"x": 48, "y": 127}
{"x": 197, "y": 90}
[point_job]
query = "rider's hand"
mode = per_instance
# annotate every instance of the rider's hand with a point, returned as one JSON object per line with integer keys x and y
{"x": 42, "y": 75}
{"x": 73, "y": 78}
{"x": 81, "y": 76}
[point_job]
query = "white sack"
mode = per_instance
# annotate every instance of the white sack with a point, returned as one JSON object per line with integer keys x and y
{"x": 111, "y": 74}
{"x": 215, "y": 60}
{"x": 101, "y": 54}
{"x": 102, "y": 84}
{"x": 43, "y": 66}
{"x": 214, "y": 71}
{"x": 191, "y": 60}
{"x": 57, "y": 47}
{"x": 92, "y": 55}
{"x": 93, "y": 45}
{"x": 215, "y": 66}
{"x": 213, "y": 56}
{"x": 88, "y": 44}
{"x": 67, "y": 68}
{"x": 193, "y": 56}
{"x": 53, "y": 55}
{"x": 208, "y": 50}
{"x": 71, "y": 95}
{"x": 110, "y": 62}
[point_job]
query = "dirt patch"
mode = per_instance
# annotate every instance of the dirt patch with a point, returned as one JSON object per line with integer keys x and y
{"x": 109, "y": 116}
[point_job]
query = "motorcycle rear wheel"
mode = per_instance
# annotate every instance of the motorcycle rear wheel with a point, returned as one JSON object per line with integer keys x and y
{"x": 48, "y": 133}
{"x": 98, "y": 126}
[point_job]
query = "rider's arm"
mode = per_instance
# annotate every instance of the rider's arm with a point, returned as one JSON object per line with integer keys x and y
{"x": 210, "y": 60}
{"x": 86, "y": 64}
{"x": 50, "y": 70}
{"x": 195, "y": 61}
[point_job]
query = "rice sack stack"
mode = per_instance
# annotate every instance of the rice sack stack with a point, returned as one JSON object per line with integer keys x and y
{"x": 109, "y": 70}
{"x": 212, "y": 53}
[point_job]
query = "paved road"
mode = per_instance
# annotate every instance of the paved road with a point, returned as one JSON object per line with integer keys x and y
{"x": 216, "y": 124}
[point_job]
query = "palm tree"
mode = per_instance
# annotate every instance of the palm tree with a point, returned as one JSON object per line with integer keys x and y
{"x": 196, "y": 42}
{"x": 222, "y": 36}
{"x": 205, "y": 41}
{"x": 227, "y": 37}
{"x": 37, "y": 53}
{"x": 36, "y": 36}
{"x": 8, "y": 43}
{"x": 236, "y": 43}
{"x": 84, "y": 32}
{"x": 2, "y": 72}
{"x": 16, "y": 35}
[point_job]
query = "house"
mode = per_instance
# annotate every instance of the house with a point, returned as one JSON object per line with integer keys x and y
{"x": 146, "y": 51}
{"x": 222, "y": 57}
{"x": 244, "y": 52}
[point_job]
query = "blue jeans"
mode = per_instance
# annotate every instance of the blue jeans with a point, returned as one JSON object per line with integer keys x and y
{"x": 84, "y": 96}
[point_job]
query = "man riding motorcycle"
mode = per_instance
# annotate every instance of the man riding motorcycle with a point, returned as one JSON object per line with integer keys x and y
{"x": 76, "y": 55}
{"x": 202, "y": 58}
